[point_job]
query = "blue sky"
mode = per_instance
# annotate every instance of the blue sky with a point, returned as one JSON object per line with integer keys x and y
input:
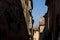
{"x": 39, "y": 9}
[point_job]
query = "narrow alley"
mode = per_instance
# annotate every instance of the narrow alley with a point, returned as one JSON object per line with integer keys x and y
{"x": 29, "y": 19}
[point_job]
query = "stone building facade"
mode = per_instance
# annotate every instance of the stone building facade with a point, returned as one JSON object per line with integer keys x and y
{"x": 41, "y": 27}
{"x": 36, "y": 33}
{"x": 42, "y": 24}
{"x": 53, "y": 19}
{"x": 46, "y": 20}
{"x": 47, "y": 33}
{"x": 15, "y": 19}
{"x": 27, "y": 9}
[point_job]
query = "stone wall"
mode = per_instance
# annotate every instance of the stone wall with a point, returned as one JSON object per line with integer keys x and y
{"x": 14, "y": 19}
{"x": 27, "y": 9}
{"x": 53, "y": 12}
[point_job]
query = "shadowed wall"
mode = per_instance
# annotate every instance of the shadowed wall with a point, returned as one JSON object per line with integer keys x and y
{"x": 12, "y": 21}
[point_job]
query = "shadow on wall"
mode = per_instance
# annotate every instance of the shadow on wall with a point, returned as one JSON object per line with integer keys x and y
{"x": 12, "y": 21}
